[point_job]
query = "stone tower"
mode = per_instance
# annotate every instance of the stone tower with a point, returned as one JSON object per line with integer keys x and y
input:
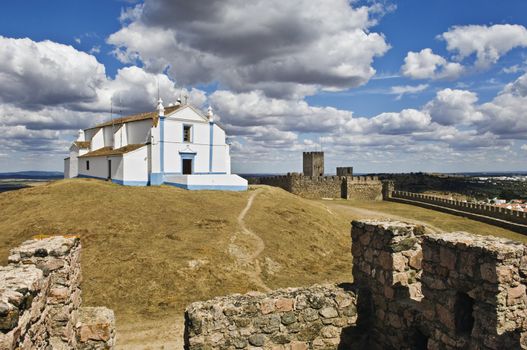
{"x": 313, "y": 163}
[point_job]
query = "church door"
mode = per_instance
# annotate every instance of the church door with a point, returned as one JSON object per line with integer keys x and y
{"x": 187, "y": 166}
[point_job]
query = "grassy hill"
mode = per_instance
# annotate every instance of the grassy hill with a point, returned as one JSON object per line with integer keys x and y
{"x": 150, "y": 251}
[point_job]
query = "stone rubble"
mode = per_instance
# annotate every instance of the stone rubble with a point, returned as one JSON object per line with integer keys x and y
{"x": 40, "y": 297}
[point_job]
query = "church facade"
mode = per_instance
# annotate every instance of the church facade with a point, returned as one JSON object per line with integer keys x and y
{"x": 177, "y": 145}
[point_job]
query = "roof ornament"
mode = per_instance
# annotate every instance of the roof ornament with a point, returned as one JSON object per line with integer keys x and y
{"x": 178, "y": 101}
{"x": 210, "y": 114}
{"x": 160, "y": 108}
{"x": 80, "y": 136}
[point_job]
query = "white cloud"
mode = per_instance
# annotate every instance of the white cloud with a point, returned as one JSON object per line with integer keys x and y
{"x": 454, "y": 107}
{"x": 33, "y": 74}
{"x": 524, "y": 147}
{"x": 400, "y": 91}
{"x": 427, "y": 65}
{"x": 285, "y": 48}
{"x": 488, "y": 43}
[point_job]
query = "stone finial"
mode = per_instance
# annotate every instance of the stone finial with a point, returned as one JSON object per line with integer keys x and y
{"x": 210, "y": 114}
{"x": 160, "y": 108}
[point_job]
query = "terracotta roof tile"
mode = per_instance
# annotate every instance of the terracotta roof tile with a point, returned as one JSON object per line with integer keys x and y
{"x": 83, "y": 144}
{"x": 109, "y": 151}
{"x": 136, "y": 117}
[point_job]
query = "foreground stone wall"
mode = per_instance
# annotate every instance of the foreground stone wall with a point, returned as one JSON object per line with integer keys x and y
{"x": 295, "y": 318}
{"x": 412, "y": 290}
{"x": 40, "y": 298}
{"x": 316, "y": 187}
{"x": 387, "y": 268}
{"x": 440, "y": 291}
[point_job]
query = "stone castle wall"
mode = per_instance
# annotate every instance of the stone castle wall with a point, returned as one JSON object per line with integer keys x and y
{"x": 440, "y": 291}
{"x": 412, "y": 290}
{"x": 296, "y": 318}
{"x": 510, "y": 219}
{"x": 316, "y": 187}
{"x": 40, "y": 300}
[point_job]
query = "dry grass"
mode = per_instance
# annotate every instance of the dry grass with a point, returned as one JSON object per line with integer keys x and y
{"x": 443, "y": 221}
{"x": 150, "y": 251}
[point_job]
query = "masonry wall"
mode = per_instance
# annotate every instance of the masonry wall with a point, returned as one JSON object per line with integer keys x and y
{"x": 316, "y": 187}
{"x": 294, "y": 318}
{"x": 40, "y": 300}
{"x": 313, "y": 163}
{"x": 481, "y": 209}
{"x": 412, "y": 290}
{"x": 440, "y": 291}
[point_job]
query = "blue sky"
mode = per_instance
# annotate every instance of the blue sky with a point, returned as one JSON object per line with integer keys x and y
{"x": 391, "y": 86}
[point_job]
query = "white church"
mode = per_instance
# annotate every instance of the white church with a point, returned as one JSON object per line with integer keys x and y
{"x": 177, "y": 145}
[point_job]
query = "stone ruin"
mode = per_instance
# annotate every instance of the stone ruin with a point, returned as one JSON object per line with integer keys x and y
{"x": 40, "y": 300}
{"x": 411, "y": 290}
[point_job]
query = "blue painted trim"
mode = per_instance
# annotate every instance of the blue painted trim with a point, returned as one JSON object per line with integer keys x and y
{"x": 156, "y": 179}
{"x": 218, "y": 173}
{"x": 190, "y": 154}
{"x": 211, "y": 148}
{"x": 130, "y": 183}
{"x": 80, "y": 176}
{"x": 162, "y": 144}
{"x": 208, "y": 187}
{"x": 115, "y": 181}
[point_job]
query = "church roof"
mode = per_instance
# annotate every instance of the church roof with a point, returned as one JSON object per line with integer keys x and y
{"x": 109, "y": 151}
{"x": 82, "y": 144}
{"x": 136, "y": 117}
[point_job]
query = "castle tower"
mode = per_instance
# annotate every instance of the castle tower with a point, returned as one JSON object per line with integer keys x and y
{"x": 313, "y": 163}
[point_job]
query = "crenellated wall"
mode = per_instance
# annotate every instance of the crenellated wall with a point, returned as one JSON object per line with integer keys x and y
{"x": 40, "y": 300}
{"x": 316, "y": 187}
{"x": 412, "y": 290}
{"x": 483, "y": 212}
{"x": 440, "y": 291}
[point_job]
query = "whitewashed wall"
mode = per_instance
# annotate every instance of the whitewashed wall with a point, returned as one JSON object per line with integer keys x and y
{"x": 97, "y": 140}
{"x": 67, "y": 168}
{"x": 136, "y": 167}
{"x": 98, "y": 167}
{"x": 137, "y": 132}
{"x": 108, "y": 132}
{"x": 73, "y": 163}
{"x": 117, "y": 167}
{"x": 120, "y": 137}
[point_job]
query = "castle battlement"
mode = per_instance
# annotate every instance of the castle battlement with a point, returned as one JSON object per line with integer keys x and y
{"x": 412, "y": 290}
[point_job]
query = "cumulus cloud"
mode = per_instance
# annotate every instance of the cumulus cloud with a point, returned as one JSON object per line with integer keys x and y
{"x": 280, "y": 47}
{"x": 48, "y": 90}
{"x": 452, "y": 107}
{"x": 33, "y": 74}
{"x": 427, "y": 65}
{"x": 488, "y": 43}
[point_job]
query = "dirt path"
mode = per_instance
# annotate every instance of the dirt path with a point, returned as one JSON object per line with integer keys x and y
{"x": 373, "y": 214}
{"x": 246, "y": 246}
